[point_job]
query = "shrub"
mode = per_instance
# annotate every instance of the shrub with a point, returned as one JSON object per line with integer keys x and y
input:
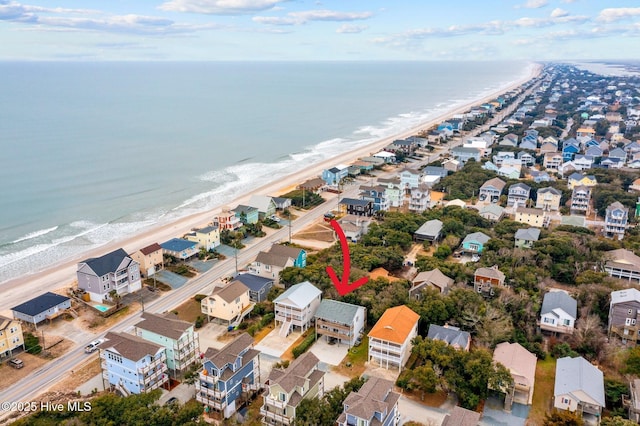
{"x": 32, "y": 344}
{"x": 199, "y": 321}
{"x": 199, "y": 297}
{"x": 306, "y": 344}
{"x": 266, "y": 319}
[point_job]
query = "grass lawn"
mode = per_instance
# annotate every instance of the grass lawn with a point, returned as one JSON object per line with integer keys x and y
{"x": 543, "y": 390}
{"x": 353, "y": 364}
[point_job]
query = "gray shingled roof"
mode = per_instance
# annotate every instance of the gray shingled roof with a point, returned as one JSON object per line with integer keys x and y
{"x": 577, "y": 374}
{"x": 296, "y": 373}
{"x": 453, "y": 336}
{"x": 477, "y": 237}
{"x": 108, "y": 263}
{"x": 375, "y": 395}
{"x": 430, "y": 227}
{"x": 559, "y": 299}
{"x": 335, "y": 311}
{"x": 40, "y": 304}
{"x": 163, "y": 325}
{"x": 529, "y": 234}
{"x": 231, "y": 291}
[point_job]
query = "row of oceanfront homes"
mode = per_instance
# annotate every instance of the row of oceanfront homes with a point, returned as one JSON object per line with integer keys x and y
{"x": 162, "y": 346}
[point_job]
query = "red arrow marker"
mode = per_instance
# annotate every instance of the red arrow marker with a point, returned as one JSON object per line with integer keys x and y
{"x": 343, "y": 286}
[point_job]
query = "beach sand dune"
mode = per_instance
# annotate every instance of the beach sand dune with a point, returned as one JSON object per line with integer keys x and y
{"x": 21, "y": 289}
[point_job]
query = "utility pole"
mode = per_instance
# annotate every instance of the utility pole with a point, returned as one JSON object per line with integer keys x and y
{"x": 235, "y": 246}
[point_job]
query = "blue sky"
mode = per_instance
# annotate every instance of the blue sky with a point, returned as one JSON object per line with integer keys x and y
{"x": 202, "y": 30}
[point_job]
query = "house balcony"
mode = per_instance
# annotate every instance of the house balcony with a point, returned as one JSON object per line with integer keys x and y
{"x": 210, "y": 392}
{"x": 589, "y": 409}
{"x": 626, "y": 332}
{"x": 153, "y": 365}
{"x": 394, "y": 357}
{"x": 155, "y": 385}
{"x": 150, "y": 378}
{"x": 564, "y": 329}
{"x": 216, "y": 405}
{"x": 188, "y": 341}
{"x": 272, "y": 402}
{"x": 287, "y": 317}
{"x": 274, "y": 416}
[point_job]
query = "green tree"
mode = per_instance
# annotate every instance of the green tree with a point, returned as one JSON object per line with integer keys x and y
{"x": 633, "y": 361}
{"x": 562, "y": 418}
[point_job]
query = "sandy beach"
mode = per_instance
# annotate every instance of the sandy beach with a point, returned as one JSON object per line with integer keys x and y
{"x": 63, "y": 275}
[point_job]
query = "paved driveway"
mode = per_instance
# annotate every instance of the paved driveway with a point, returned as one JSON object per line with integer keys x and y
{"x": 171, "y": 279}
{"x": 330, "y": 354}
{"x": 494, "y": 414}
{"x": 411, "y": 411}
{"x": 275, "y": 345}
{"x": 208, "y": 336}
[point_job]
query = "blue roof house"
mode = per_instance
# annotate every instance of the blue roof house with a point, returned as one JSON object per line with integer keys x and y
{"x": 179, "y": 248}
{"x": 568, "y": 151}
{"x": 227, "y": 373}
{"x": 258, "y": 286}
{"x": 46, "y": 306}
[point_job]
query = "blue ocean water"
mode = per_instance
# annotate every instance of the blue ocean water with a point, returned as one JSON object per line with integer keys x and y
{"x": 92, "y": 152}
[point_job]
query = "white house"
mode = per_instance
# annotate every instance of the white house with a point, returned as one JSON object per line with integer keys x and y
{"x": 390, "y": 338}
{"x": 559, "y": 311}
{"x": 579, "y": 387}
{"x": 296, "y": 307}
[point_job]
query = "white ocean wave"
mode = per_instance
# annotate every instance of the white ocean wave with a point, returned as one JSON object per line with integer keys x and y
{"x": 34, "y": 234}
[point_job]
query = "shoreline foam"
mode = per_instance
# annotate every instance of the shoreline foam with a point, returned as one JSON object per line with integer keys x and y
{"x": 63, "y": 274}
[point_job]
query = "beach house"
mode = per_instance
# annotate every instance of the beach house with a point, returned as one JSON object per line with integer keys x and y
{"x": 580, "y": 200}
{"x": 485, "y": 280}
{"x": 419, "y": 198}
{"x": 11, "y": 338}
{"x": 526, "y": 237}
{"x": 579, "y": 388}
{"x": 46, "y": 306}
{"x": 518, "y": 194}
{"x": 114, "y": 271}
{"x": 207, "y": 238}
{"x": 474, "y": 242}
{"x": 150, "y": 259}
{"x": 623, "y": 264}
{"x": 548, "y": 199}
{"x": 180, "y": 248}
{"x": 559, "y": 312}
{"x": 335, "y": 175}
{"x": 390, "y": 338}
{"x": 429, "y": 231}
{"x": 295, "y": 308}
{"x": 461, "y": 417}
{"x": 132, "y": 365}
{"x": 228, "y": 304}
{"x": 228, "y": 220}
{"x": 356, "y": 207}
{"x": 522, "y": 365}
{"x": 286, "y": 388}
{"x": 340, "y": 322}
{"x": 375, "y": 403}
{"x": 229, "y": 376}
{"x": 178, "y": 337}
{"x": 491, "y": 190}
{"x": 269, "y": 264}
{"x": 624, "y": 315}
{"x": 532, "y": 217}
{"x": 492, "y": 212}
{"x": 248, "y": 215}
{"x": 433, "y": 279}
{"x": 265, "y": 205}
{"x": 376, "y": 194}
{"x": 451, "y": 335}
{"x": 258, "y": 286}
{"x": 615, "y": 220}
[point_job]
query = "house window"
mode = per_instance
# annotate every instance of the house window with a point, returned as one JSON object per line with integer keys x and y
{"x": 630, "y": 312}
{"x": 282, "y": 396}
{"x": 567, "y": 322}
{"x": 627, "y": 321}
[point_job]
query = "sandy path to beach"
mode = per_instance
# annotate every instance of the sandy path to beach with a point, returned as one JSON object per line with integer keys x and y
{"x": 21, "y": 289}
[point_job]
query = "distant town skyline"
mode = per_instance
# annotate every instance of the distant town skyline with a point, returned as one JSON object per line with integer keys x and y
{"x": 205, "y": 30}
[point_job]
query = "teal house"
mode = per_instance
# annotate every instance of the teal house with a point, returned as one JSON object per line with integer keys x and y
{"x": 176, "y": 336}
{"x": 247, "y": 214}
{"x": 475, "y": 242}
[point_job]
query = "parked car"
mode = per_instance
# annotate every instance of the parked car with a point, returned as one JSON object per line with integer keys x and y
{"x": 274, "y": 218}
{"x": 16, "y": 363}
{"x": 171, "y": 401}
{"x": 93, "y": 346}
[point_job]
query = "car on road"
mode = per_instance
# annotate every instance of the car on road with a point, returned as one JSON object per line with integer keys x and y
{"x": 274, "y": 218}
{"x": 16, "y": 363}
{"x": 93, "y": 346}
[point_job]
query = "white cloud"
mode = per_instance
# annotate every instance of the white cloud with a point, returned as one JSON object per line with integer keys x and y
{"x": 351, "y": 29}
{"x": 60, "y": 19}
{"x": 299, "y": 18}
{"x": 558, "y": 13}
{"x": 219, "y": 7}
{"x": 616, "y": 14}
{"x": 533, "y": 4}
